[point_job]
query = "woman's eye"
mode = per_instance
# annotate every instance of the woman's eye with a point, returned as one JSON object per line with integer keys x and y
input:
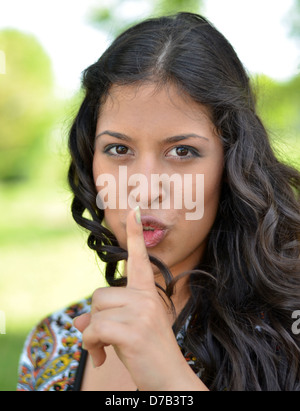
{"x": 183, "y": 152}
{"x": 116, "y": 150}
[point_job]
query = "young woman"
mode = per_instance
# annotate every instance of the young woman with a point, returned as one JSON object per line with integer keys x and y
{"x": 204, "y": 303}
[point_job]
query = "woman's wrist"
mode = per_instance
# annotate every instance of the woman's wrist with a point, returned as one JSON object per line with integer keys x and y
{"x": 182, "y": 378}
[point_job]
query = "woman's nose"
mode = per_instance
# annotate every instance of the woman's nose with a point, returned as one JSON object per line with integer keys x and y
{"x": 144, "y": 187}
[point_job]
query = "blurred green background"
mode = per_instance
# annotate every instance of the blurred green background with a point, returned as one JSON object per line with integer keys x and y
{"x": 45, "y": 263}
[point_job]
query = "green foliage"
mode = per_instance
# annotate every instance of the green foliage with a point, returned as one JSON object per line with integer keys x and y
{"x": 279, "y": 103}
{"x": 26, "y": 103}
{"x": 162, "y": 7}
{"x": 118, "y": 15}
{"x": 279, "y": 107}
{"x": 11, "y": 346}
{"x": 294, "y": 20}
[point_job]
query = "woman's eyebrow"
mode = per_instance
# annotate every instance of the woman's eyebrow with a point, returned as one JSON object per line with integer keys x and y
{"x": 120, "y": 136}
{"x": 173, "y": 139}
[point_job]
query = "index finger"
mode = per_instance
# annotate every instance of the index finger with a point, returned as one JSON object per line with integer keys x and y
{"x": 139, "y": 271}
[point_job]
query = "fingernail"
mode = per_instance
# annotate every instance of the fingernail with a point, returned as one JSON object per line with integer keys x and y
{"x": 138, "y": 215}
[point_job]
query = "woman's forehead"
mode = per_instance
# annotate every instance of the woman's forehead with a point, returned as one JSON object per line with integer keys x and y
{"x": 149, "y": 99}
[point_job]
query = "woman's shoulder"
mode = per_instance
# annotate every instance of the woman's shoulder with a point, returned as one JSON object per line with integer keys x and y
{"x": 52, "y": 351}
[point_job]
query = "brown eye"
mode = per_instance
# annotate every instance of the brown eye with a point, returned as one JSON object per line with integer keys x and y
{"x": 182, "y": 151}
{"x": 116, "y": 150}
{"x": 121, "y": 150}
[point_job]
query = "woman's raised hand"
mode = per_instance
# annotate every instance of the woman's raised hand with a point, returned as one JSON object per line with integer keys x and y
{"x": 135, "y": 321}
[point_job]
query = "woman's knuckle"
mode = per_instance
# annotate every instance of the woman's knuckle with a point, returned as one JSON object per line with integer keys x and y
{"x": 97, "y": 295}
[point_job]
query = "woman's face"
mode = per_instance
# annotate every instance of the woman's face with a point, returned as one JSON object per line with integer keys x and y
{"x": 149, "y": 133}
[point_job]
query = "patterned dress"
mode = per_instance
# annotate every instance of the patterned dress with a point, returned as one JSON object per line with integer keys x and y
{"x": 53, "y": 352}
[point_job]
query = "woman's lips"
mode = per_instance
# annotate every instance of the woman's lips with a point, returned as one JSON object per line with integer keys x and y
{"x": 154, "y": 231}
{"x": 153, "y": 238}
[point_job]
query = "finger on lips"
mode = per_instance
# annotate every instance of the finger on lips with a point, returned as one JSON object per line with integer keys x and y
{"x": 139, "y": 271}
{"x": 107, "y": 301}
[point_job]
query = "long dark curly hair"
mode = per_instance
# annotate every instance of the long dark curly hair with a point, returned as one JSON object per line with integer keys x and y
{"x": 245, "y": 290}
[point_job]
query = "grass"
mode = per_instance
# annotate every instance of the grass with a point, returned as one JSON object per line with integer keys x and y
{"x": 11, "y": 345}
{"x": 38, "y": 279}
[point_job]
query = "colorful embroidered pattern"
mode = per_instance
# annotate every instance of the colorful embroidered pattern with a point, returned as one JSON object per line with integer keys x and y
{"x": 52, "y": 352}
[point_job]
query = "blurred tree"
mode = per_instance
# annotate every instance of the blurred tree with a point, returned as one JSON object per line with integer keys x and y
{"x": 279, "y": 107}
{"x": 279, "y": 103}
{"x": 26, "y": 101}
{"x": 2, "y": 62}
{"x": 166, "y": 6}
{"x": 294, "y": 20}
{"x": 117, "y": 15}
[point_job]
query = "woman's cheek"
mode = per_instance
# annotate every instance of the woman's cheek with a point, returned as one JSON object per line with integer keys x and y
{"x": 113, "y": 221}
